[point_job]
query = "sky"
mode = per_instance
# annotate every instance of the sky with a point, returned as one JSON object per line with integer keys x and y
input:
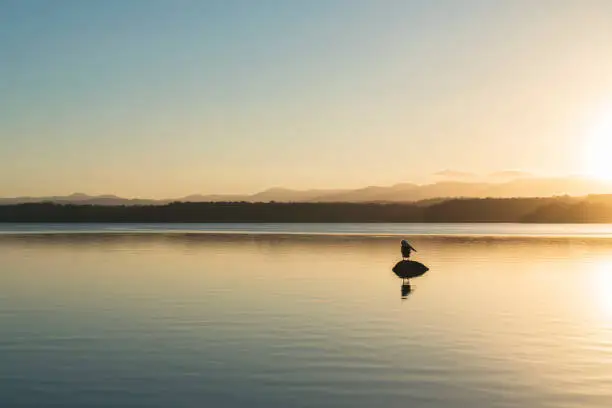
{"x": 151, "y": 98}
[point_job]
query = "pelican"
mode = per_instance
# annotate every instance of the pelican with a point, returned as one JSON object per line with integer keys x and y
{"x": 406, "y": 249}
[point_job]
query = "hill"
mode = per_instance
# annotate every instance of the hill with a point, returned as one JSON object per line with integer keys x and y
{"x": 398, "y": 193}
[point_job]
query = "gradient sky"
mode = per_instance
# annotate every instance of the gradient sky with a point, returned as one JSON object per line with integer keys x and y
{"x": 146, "y": 98}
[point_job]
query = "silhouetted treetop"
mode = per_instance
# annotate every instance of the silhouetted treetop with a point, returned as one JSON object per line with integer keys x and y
{"x": 556, "y": 210}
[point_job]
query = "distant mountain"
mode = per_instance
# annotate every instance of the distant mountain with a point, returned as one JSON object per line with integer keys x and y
{"x": 273, "y": 194}
{"x": 80, "y": 198}
{"x": 285, "y": 194}
{"x": 523, "y": 186}
{"x": 546, "y": 187}
{"x": 199, "y": 198}
{"x": 371, "y": 194}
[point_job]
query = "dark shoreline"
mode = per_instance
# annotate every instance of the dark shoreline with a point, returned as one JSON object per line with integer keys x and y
{"x": 559, "y": 210}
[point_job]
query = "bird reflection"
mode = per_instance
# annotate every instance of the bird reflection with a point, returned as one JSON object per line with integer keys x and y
{"x": 406, "y": 289}
{"x": 406, "y": 270}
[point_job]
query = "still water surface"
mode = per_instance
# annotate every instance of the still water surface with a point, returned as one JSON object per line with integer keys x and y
{"x": 380, "y": 229}
{"x": 266, "y": 320}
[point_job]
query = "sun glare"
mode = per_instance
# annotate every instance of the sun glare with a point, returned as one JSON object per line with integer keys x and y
{"x": 598, "y": 155}
{"x": 602, "y": 288}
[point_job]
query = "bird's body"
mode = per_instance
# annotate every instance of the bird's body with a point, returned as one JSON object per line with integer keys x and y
{"x": 406, "y": 249}
{"x": 406, "y": 252}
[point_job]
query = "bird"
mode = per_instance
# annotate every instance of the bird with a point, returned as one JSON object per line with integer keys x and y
{"x": 406, "y": 249}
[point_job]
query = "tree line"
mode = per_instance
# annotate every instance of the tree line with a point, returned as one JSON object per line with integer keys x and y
{"x": 534, "y": 210}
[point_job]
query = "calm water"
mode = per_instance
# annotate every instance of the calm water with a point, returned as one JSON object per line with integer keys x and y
{"x": 177, "y": 319}
{"x": 380, "y": 229}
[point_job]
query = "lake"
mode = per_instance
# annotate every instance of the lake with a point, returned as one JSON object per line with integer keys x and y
{"x": 305, "y": 315}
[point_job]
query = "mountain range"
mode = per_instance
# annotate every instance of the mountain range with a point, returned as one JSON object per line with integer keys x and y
{"x": 403, "y": 192}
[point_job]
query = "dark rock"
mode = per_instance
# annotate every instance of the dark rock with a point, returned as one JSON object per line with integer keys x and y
{"x": 409, "y": 269}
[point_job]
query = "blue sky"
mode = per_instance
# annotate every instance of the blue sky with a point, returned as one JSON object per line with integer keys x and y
{"x": 168, "y": 98}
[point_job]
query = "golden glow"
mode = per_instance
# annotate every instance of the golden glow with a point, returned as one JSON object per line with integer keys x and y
{"x": 602, "y": 282}
{"x": 599, "y": 147}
